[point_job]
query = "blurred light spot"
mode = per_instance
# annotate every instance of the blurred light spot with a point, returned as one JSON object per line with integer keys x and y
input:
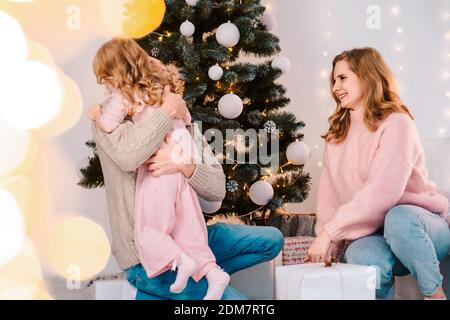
{"x": 20, "y": 278}
{"x": 132, "y": 18}
{"x": 70, "y": 110}
{"x": 14, "y": 45}
{"x": 15, "y": 148}
{"x": 31, "y": 95}
{"x": 78, "y": 242}
{"x": 11, "y": 227}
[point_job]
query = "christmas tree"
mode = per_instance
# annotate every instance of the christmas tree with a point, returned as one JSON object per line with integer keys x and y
{"x": 206, "y": 39}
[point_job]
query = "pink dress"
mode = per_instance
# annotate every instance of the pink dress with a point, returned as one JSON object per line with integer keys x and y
{"x": 168, "y": 217}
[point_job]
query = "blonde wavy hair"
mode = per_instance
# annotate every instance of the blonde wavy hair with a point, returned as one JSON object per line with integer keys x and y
{"x": 379, "y": 93}
{"x": 124, "y": 65}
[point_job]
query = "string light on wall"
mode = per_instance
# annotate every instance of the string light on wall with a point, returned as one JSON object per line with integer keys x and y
{"x": 445, "y": 74}
{"x": 398, "y": 48}
{"x": 395, "y": 11}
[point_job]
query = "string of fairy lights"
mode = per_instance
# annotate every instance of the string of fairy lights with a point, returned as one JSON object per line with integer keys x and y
{"x": 445, "y": 76}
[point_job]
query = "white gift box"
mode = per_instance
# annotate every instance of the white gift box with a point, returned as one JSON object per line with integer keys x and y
{"x": 314, "y": 281}
{"x": 114, "y": 290}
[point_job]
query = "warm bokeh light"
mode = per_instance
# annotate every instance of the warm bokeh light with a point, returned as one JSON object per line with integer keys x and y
{"x": 78, "y": 243}
{"x": 132, "y": 18}
{"x": 20, "y": 187}
{"x": 14, "y": 45}
{"x": 11, "y": 227}
{"x": 30, "y": 95}
{"x": 71, "y": 108}
{"x": 42, "y": 294}
{"x": 16, "y": 146}
{"x": 38, "y": 52}
{"x": 20, "y": 278}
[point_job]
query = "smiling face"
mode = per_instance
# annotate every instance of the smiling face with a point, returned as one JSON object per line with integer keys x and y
{"x": 347, "y": 88}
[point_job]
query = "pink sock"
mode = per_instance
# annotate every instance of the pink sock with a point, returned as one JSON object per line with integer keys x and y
{"x": 218, "y": 280}
{"x": 186, "y": 267}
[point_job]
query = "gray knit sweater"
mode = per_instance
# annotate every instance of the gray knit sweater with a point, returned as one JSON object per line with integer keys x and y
{"x": 122, "y": 152}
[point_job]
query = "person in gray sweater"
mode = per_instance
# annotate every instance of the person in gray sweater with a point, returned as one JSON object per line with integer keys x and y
{"x": 121, "y": 152}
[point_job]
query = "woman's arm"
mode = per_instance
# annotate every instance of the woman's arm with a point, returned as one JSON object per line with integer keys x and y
{"x": 208, "y": 178}
{"x": 130, "y": 145}
{"x": 327, "y": 199}
{"x": 388, "y": 176}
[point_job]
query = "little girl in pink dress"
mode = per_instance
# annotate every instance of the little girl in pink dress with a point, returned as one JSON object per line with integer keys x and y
{"x": 170, "y": 230}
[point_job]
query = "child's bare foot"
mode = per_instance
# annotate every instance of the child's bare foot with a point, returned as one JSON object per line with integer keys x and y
{"x": 186, "y": 267}
{"x": 439, "y": 295}
{"x": 218, "y": 280}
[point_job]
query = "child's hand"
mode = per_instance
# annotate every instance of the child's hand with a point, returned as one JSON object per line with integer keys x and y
{"x": 187, "y": 118}
{"x": 95, "y": 112}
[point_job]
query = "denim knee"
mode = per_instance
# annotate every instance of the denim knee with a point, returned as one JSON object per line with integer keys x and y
{"x": 274, "y": 241}
{"x": 398, "y": 221}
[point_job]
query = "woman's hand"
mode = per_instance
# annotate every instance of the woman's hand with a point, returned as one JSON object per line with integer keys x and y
{"x": 170, "y": 159}
{"x": 318, "y": 252}
{"x": 95, "y": 112}
{"x": 173, "y": 104}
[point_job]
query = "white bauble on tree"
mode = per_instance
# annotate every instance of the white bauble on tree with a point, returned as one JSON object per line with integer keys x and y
{"x": 298, "y": 153}
{"x": 187, "y": 28}
{"x": 192, "y": 3}
{"x": 230, "y": 106}
{"x": 228, "y": 35}
{"x": 261, "y": 193}
{"x": 215, "y": 72}
{"x": 268, "y": 21}
{"x": 209, "y": 206}
{"x": 282, "y": 63}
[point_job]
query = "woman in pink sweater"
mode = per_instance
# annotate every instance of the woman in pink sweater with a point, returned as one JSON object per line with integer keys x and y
{"x": 374, "y": 189}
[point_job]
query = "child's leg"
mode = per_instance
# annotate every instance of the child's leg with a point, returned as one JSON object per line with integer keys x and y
{"x": 419, "y": 239}
{"x": 190, "y": 230}
{"x": 155, "y": 219}
{"x": 191, "y": 234}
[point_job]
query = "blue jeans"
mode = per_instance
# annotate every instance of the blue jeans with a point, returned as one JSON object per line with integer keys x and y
{"x": 235, "y": 247}
{"x": 414, "y": 241}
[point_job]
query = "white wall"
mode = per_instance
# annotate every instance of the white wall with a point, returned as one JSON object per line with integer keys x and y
{"x": 302, "y": 26}
{"x": 307, "y": 29}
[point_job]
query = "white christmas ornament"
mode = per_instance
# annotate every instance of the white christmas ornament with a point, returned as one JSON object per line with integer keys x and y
{"x": 187, "y": 29}
{"x": 215, "y": 72}
{"x": 261, "y": 193}
{"x": 192, "y": 3}
{"x": 298, "y": 153}
{"x": 268, "y": 20}
{"x": 230, "y": 106}
{"x": 228, "y": 35}
{"x": 282, "y": 63}
{"x": 209, "y": 206}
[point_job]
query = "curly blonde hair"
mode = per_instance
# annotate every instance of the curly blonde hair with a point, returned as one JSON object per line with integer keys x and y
{"x": 379, "y": 93}
{"x": 124, "y": 65}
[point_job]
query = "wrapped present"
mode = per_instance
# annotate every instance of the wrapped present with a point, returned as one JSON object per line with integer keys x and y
{"x": 315, "y": 281}
{"x": 306, "y": 224}
{"x": 293, "y": 224}
{"x": 295, "y": 250}
{"x": 286, "y": 223}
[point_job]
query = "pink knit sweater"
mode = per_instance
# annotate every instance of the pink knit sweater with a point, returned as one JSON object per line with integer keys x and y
{"x": 371, "y": 172}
